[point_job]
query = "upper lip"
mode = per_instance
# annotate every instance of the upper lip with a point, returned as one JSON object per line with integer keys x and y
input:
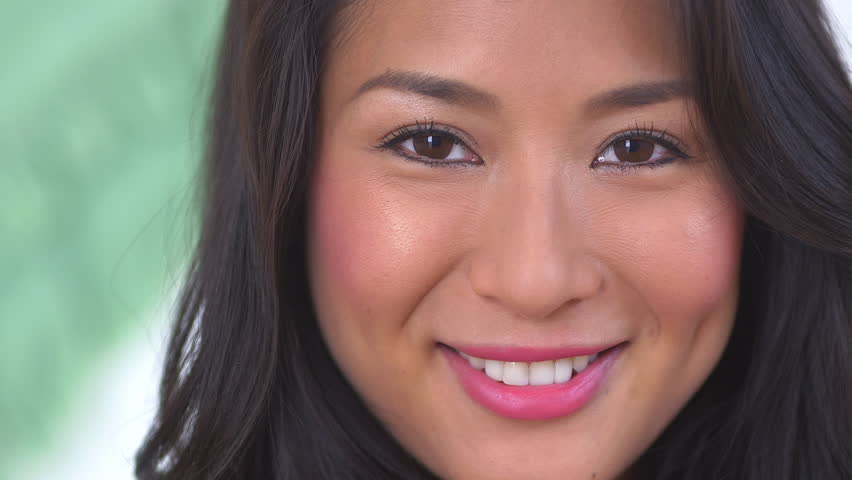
{"x": 523, "y": 353}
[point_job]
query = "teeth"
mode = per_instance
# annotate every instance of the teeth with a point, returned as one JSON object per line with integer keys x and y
{"x": 541, "y": 373}
{"x": 563, "y": 370}
{"x": 580, "y": 363}
{"x": 476, "y": 363}
{"x": 494, "y": 369}
{"x": 516, "y": 373}
{"x": 531, "y": 373}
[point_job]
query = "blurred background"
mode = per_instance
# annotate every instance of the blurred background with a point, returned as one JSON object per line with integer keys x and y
{"x": 103, "y": 109}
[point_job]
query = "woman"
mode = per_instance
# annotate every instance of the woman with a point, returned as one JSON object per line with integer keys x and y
{"x": 470, "y": 239}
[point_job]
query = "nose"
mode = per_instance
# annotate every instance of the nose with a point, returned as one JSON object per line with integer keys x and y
{"x": 530, "y": 258}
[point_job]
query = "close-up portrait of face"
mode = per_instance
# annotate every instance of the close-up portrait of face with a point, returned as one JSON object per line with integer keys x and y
{"x": 523, "y": 253}
{"x": 518, "y": 239}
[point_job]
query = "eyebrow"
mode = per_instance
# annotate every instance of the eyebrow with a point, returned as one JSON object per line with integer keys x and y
{"x": 457, "y": 92}
{"x": 638, "y": 95}
{"x": 428, "y": 85}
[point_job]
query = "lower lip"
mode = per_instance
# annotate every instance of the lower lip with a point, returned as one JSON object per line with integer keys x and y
{"x": 535, "y": 402}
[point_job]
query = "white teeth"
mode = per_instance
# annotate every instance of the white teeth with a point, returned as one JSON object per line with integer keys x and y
{"x": 541, "y": 373}
{"x": 476, "y": 363}
{"x": 516, "y": 373}
{"x": 563, "y": 369}
{"x": 580, "y": 363}
{"x": 531, "y": 373}
{"x": 494, "y": 369}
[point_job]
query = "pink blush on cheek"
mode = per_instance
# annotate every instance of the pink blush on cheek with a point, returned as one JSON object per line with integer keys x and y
{"x": 679, "y": 253}
{"x": 359, "y": 240}
{"x": 714, "y": 249}
{"x": 334, "y": 236}
{"x": 700, "y": 270}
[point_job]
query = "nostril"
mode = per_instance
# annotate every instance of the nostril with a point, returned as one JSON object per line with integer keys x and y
{"x": 531, "y": 270}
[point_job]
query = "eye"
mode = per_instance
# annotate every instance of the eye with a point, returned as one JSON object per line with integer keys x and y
{"x": 434, "y": 146}
{"x": 437, "y": 146}
{"x": 640, "y": 148}
{"x": 633, "y": 150}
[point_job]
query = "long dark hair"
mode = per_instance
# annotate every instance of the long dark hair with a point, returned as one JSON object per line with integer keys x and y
{"x": 238, "y": 401}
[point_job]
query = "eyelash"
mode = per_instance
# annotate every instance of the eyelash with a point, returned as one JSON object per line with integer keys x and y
{"x": 643, "y": 132}
{"x": 427, "y": 127}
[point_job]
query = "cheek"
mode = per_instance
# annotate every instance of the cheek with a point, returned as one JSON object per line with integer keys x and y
{"x": 351, "y": 246}
{"x": 377, "y": 247}
{"x": 357, "y": 245}
{"x": 699, "y": 264}
{"x": 680, "y": 254}
{"x": 711, "y": 252}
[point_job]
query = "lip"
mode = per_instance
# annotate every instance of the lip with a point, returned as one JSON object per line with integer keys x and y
{"x": 529, "y": 354}
{"x": 538, "y": 402}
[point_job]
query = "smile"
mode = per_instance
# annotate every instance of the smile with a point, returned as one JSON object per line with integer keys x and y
{"x": 546, "y": 372}
{"x": 522, "y": 383}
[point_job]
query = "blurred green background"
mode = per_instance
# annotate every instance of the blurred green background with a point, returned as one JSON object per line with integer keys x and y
{"x": 103, "y": 108}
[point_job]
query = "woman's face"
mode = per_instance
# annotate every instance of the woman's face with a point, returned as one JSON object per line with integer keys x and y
{"x": 593, "y": 274}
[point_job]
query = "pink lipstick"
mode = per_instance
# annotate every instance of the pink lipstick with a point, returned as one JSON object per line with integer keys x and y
{"x": 532, "y": 402}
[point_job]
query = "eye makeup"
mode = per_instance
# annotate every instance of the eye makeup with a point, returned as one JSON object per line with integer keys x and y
{"x": 392, "y": 142}
{"x": 634, "y": 139}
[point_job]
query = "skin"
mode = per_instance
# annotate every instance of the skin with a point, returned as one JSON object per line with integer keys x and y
{"x": 532, "y": 247}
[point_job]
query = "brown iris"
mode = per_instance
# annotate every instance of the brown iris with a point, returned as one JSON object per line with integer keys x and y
{"x": 432, "y": 146}
{"x": 631, "y": 150}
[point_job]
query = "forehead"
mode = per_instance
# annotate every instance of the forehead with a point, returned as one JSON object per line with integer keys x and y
{"x": 548, "y": 51}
